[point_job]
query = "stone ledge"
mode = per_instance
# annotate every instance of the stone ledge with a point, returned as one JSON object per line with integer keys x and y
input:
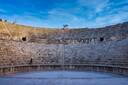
{"x": 69, "y": 67}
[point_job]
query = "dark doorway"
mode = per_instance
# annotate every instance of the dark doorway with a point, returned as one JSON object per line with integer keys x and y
{"x": 101, "y": 39}
{"x": 24, "y": 38}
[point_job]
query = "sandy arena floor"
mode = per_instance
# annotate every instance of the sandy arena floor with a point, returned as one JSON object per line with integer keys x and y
{"x": 64, "y": 78}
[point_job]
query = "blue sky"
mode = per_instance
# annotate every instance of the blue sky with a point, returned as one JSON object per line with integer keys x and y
{"x": 55, "y": 13}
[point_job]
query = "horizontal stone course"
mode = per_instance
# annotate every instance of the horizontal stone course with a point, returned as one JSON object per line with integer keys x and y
{"x": 63, "y": 54}
{"x": 74, "y": 67}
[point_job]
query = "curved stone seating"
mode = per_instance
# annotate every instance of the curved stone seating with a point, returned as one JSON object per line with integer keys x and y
{"x": 104, "y": 49}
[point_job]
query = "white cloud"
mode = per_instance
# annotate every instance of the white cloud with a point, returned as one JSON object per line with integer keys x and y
{"x": 84, "y": 14}
{"x": 96, "y": 5}
{"x": 109, "y": 20}
{"x": 27, "y": 20}
{"x": 2, "y": 10}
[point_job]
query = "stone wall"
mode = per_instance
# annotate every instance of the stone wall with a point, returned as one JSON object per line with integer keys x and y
{"x": 68, "y": 36}
{"x": 74, "y": 67}
{"x": 87, "y": 36}
{"x": 108, "y": 46}
{"x": 106, "y": 53}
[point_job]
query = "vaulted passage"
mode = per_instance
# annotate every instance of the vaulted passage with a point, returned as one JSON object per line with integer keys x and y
{"x": 24, "y": 38}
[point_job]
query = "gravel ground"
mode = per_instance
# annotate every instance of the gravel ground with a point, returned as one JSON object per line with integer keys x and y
{"x": 64, "y": 78}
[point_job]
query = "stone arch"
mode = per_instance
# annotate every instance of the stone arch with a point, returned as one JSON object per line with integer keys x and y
{"x": 24, "y": 38}
{"x": 101, "y": 39}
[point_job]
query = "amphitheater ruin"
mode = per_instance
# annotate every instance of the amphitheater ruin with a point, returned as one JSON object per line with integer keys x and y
{"x": 24, "y": 49}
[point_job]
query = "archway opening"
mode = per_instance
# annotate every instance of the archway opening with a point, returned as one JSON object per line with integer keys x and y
{"x": 24, "y": 39}
{"x": 101, "y": 39}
